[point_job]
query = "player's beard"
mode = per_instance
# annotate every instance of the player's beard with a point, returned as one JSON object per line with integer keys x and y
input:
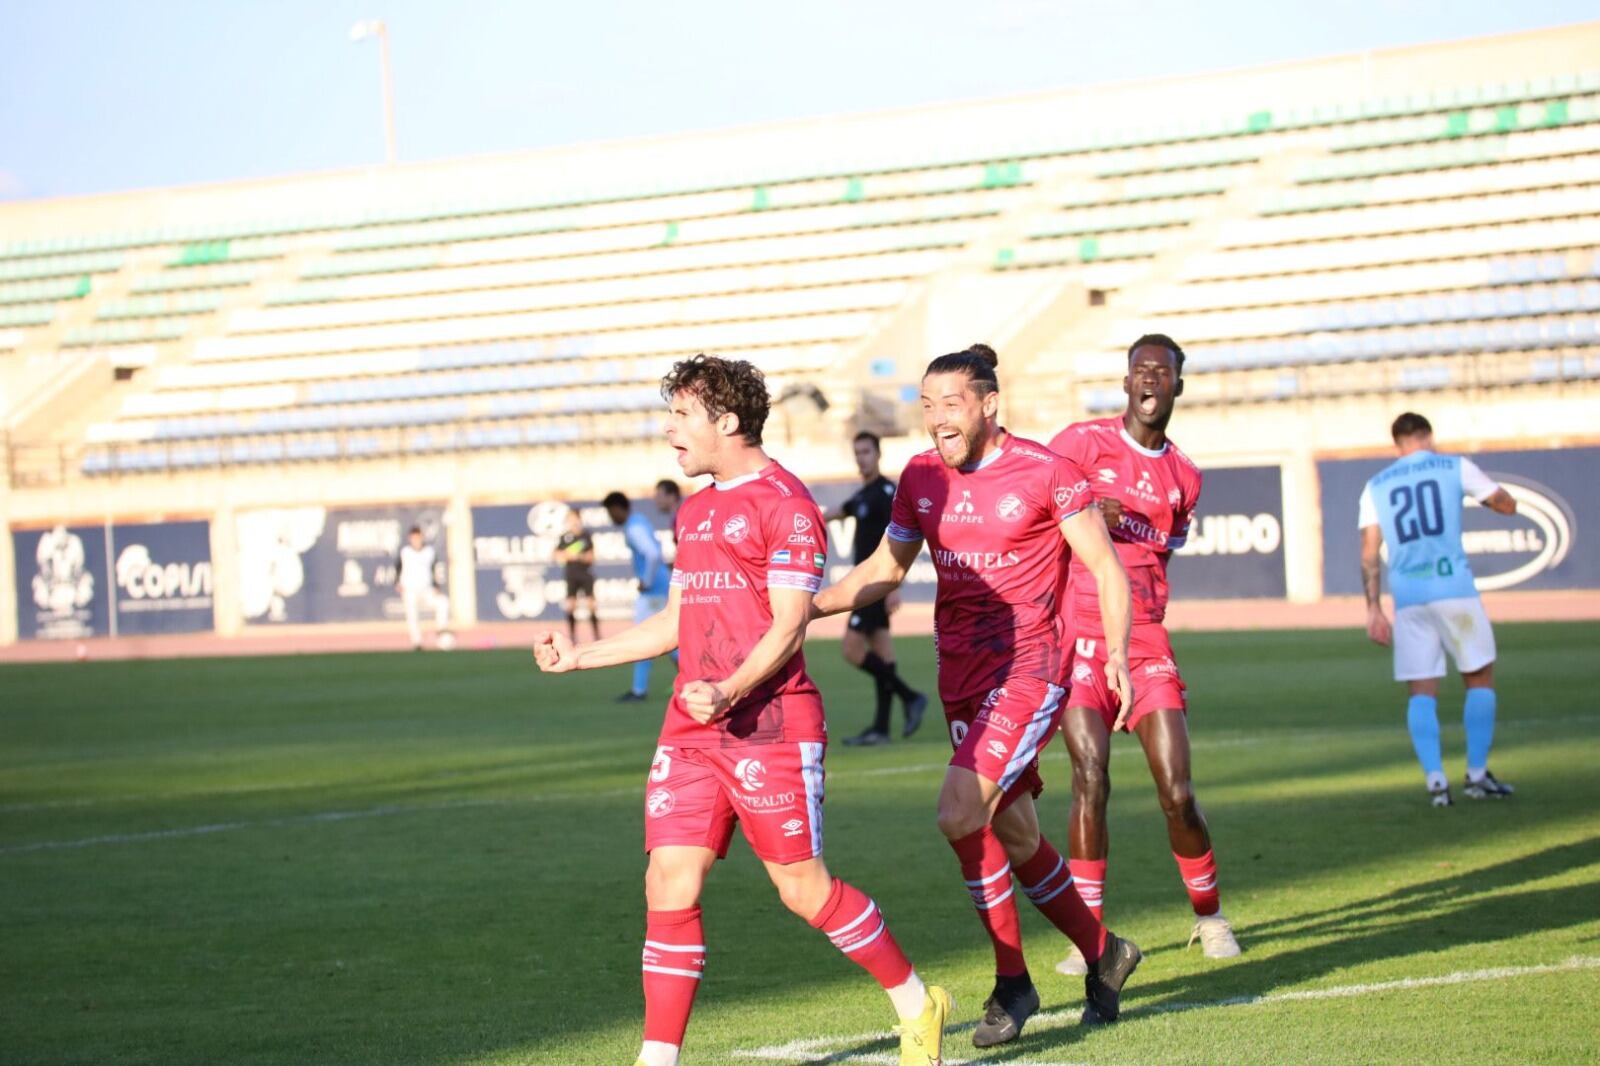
{"x": 965, "y": 445}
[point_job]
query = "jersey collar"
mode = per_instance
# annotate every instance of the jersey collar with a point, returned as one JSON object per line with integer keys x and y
{"x": 733, "y": 483}
{"x": 1140, "y": 448}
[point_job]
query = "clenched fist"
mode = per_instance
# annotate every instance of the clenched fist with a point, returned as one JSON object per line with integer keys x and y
{"x": 555, "y": 653}
{"x": 704, "y": 701}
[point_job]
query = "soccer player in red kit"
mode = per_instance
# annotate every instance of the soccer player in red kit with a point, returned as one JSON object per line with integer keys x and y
{"x": 1147, "y": 490}
{"x": 743, "y": 738}
{"x": 993, "y": 509}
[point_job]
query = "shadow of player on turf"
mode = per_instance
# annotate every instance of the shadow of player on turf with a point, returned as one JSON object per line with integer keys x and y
{"x": 1473, "y": 907}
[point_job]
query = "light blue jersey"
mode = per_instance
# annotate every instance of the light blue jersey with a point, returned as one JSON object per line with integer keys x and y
{"x": 649, "y": 566}
{"x": 1416, "y": 501}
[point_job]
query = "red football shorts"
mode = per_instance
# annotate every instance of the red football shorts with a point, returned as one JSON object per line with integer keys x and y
{"x": 773, "y": 791}
{"x": 1157, "y": 685}
{"x": 999, "y": 736}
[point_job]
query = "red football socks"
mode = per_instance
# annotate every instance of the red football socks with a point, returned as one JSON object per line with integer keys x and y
{"x": 1200, "y": 881}
{"x": 1048, "y": 883}
{"x": 988, "y": 875}
{"x": 856, "y": 926}
{"x": 674, "y": 957}
{"x": 1090, "y": 877}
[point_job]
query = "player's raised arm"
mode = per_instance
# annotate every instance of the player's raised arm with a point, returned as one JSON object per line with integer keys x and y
{"x": 656, "y": 635}
{"x": 1086, "y": 535}
{"x": 706, "y": 701}
{"x": 869, "y": 581}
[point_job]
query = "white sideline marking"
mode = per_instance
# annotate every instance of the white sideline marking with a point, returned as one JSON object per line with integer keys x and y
{"x": 835, "y": 1048}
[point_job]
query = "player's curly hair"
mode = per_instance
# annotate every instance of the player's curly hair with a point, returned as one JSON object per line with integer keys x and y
{"x": 723, "y": 385}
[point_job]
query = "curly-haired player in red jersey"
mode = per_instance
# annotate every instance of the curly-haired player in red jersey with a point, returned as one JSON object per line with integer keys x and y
{"x": 743, "y": 739}
{"x": 1147, "y": 490}
{"x": 993, "y": 509}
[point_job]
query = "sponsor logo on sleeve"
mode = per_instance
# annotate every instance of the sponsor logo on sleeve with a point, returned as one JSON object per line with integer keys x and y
{"x": 782, "y": 556}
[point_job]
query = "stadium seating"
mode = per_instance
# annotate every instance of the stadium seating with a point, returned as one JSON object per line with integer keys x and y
{"x": 1430, "y": 240}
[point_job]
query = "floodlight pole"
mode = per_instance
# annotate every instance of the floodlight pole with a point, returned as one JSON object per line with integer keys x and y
{"x": 379, "y": 29}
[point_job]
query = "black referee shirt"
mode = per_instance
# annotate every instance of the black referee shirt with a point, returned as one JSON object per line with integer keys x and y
{"x": 870, "y": 507}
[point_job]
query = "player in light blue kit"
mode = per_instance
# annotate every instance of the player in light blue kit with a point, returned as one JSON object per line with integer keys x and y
{"x": 1414, "y": 506}
{"x": 654, "y": 575}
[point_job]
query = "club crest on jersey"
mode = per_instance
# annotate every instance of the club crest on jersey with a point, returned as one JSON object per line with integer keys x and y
{"x": 1174, "y": 496}
{"x": 751, "y": 774}
{"x": 736, "y": 529}
{"x": 660, "y": 802}
{"x": 1009, "y": 507}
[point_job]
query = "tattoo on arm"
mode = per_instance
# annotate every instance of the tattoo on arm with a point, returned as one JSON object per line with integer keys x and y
{"x": 1371, "y": 581}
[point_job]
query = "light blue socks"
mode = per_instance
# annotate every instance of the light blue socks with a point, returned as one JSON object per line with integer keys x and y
{"x": 1478, "y": 717}
{"x": 1422, "y": 718}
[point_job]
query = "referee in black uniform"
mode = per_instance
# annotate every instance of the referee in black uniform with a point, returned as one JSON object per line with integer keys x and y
{"x": 867, "y": 644}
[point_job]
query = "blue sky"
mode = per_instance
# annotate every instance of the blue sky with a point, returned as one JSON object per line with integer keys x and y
{"x": 103, "y": 95}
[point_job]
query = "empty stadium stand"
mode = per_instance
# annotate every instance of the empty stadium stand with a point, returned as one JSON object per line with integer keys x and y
{"x": 1440, "y": 237}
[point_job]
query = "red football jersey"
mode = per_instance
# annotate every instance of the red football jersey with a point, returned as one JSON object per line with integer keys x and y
{"x": 1158, "y": 490}
{"x": 992, "y": 531}
{"x": 736, "y": 540}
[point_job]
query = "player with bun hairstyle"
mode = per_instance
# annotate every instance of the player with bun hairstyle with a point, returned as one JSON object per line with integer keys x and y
{"x": 993, "y": 509}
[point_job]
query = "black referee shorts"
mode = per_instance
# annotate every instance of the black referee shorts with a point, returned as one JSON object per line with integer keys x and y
{"x": 870, "y": 619}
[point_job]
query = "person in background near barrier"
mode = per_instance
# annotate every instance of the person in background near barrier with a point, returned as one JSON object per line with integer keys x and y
{"x": 993, "y": 509}
{"x": 414, "y": 579}
{"x": 1413, "y": 507}
{"x": 652, "y": 573}
{"x": 867, "y": 644}
{"x": 575, "y": 549}
{"x": 744, "y": 737}
{"x": 1146, "y": 490}
{"x": 668, "y": 499}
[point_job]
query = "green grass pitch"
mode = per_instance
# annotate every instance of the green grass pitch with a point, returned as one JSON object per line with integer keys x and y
{"x": 436, "y": 859}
